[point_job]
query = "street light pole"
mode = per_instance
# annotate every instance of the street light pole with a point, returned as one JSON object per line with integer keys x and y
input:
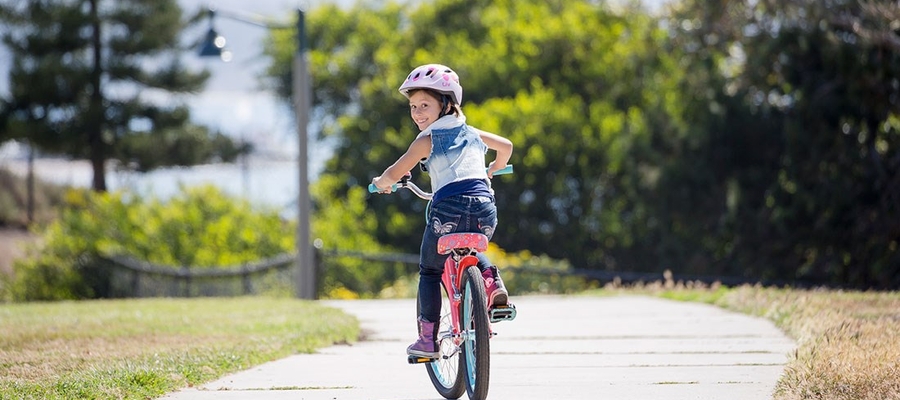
{"x": 305, "y": 279}
{"x": 214, "y": 45}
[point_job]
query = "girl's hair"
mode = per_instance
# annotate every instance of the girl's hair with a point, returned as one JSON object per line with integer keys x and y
{"x": 445, "y": 100}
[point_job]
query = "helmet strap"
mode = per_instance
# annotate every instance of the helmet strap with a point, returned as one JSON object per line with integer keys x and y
{"x": 445, "y": 103}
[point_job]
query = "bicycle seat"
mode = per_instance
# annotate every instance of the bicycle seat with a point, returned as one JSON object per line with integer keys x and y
{"x": 466, "y": 240}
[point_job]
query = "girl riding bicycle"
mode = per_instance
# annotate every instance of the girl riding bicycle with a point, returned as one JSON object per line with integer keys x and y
{"x": 453, "y": 153}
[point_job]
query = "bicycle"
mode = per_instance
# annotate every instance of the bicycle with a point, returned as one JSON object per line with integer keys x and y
{"x": 465, "y": 324}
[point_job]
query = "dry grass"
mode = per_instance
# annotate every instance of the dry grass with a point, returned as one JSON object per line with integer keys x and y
{"x": 848, "y": 343}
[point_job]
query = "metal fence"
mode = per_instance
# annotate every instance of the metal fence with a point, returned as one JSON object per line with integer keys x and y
{"x": 129, "y": 277}
{"x": 134, "y": 278}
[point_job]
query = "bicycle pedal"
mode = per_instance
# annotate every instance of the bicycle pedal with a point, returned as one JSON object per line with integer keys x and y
{"x": 420, "y": 360}
{"x": 506, "y": 312}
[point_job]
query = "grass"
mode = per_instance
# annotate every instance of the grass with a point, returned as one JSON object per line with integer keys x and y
{"x": 139, "y": 349}
{"x": 848, "y": 342}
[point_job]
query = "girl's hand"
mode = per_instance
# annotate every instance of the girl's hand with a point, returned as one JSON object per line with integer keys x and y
{"x": 494, "y": 167}
{"x": 382, "y": 188}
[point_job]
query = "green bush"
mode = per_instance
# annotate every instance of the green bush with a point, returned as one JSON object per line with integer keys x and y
{"x": 522, "y": 272}
{"x": 345, "y": 224}
{"x": 203, "y": 228}
{"x": 199, "y": 228}
{"x": 526, "y": 273}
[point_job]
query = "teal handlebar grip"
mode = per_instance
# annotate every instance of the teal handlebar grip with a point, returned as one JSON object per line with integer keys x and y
{"x": 506, "y": 170}
{"x": 374, "y": 189}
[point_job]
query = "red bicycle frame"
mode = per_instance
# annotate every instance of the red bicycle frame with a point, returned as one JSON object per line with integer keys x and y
{"x": 456, "y": 264}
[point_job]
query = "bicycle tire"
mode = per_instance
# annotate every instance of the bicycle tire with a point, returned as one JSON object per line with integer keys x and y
{"x": 476, "y": 333}
{"x": 446, "y": 372}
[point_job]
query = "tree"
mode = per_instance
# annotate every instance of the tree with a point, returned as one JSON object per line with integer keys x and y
{"x": 834, "y": 72}
{"x": 812, "y": 167}
{"x": 557, "y": 77}
{"x": 756, "y": 140}
{"x": 82, "y": 75}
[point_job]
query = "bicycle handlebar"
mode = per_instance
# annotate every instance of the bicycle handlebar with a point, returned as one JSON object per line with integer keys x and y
{"x": 405, "y": 183}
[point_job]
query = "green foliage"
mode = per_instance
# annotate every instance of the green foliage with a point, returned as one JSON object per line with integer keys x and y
{"x": 755, "y": 140}
{"x": 803, "y": 145}
{"x": 522, "y": 273}
{"x": 571, "y": 117}
{"x": 199, "y": 228}
{"x": 525, "y": 273}
{"x": 345, "y": 224}
{"x": 179, "y": 146}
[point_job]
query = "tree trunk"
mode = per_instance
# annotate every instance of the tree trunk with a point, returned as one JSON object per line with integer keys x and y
{"x": 94, "y": 121}
{"x": 30, "y": 184}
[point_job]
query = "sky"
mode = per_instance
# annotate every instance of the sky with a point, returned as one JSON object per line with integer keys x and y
{"x": 232, "y": 101}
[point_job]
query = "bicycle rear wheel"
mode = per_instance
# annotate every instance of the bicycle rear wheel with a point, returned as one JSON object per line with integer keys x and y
{"x": 446, "y": 372}
{"x": 476, "y": 333}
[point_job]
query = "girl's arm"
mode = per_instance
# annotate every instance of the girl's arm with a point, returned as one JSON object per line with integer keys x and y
{"x": 419, "y": 149}
{"x": 502, "y": 146}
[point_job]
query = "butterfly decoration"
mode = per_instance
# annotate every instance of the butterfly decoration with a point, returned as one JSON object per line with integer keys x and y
{"x": 488, "y": 231}
{"x": 442, "y": 229}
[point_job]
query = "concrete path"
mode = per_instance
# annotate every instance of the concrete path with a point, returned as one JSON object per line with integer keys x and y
{"x": 622, "y": 348}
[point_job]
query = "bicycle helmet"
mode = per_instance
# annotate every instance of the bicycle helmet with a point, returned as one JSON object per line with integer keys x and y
{"x": 437, "y": 77}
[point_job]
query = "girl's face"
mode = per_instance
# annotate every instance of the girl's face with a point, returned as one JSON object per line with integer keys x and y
{"x": 423, "y": 108}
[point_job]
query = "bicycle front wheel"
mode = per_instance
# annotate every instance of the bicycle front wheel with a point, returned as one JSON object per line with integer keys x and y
{"x": 476, "y": 333}
{"x": 446, "y": 372}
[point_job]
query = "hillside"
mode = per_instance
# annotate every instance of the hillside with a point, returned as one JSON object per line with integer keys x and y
{"x": 12, "y": 246}
{"x": 14, "y": 221}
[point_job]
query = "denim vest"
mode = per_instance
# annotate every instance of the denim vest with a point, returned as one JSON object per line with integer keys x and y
{"x": 457, "y": 154}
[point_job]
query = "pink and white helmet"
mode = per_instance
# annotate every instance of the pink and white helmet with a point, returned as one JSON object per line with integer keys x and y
{"x": 436, "y": 77}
